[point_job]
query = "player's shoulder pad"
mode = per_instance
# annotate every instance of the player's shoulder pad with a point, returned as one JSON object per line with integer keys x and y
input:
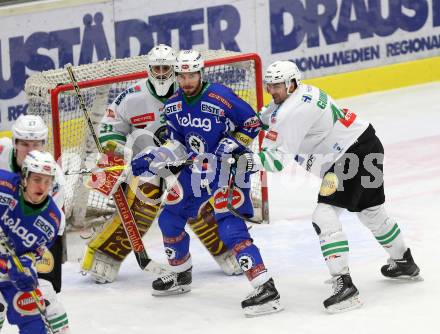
{"x": 220, "y": 95}
{"x": 135, "y": 89}
{"x": 9, "y": 181}
{"x": 54, "y": 212}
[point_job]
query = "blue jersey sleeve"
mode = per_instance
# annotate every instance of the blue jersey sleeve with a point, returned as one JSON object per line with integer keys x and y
{"x": 246, "y": 124}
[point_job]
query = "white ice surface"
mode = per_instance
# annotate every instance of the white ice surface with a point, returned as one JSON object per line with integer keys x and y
{"x": 408, "y": 122}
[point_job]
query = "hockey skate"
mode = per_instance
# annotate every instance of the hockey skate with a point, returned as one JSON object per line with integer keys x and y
{"x": 404, "y": 268}
{"x": 263, "y": 300}
{"x": 173, "y": 283}
{"x": 345, "y": 295}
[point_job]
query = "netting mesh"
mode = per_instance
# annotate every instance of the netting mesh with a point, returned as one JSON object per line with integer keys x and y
{"x": 102, "y": 82}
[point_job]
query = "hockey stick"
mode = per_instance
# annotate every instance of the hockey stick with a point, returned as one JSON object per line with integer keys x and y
{"x": 11, "y": 251}
{"x": 127, "y": 219}
{"x": 187, "y": 162}
{"x": 229, "y": 204}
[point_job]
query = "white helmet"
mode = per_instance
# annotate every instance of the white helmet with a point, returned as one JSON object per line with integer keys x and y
{"x": 282, "y": 71}
{"x": 161, "y": 55}
{"x": 39, "y": 162}
{"x": 189, "y": 61}
{"x": 29, "y": 127}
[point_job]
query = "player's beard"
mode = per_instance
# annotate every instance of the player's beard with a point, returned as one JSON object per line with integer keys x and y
{"x": 191, "y": 90}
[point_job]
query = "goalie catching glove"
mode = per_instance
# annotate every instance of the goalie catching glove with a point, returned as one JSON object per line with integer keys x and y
{"x": 25, "y": 280}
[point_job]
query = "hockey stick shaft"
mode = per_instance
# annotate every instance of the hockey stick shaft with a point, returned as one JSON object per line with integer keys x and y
{"x": 127, "y": 219}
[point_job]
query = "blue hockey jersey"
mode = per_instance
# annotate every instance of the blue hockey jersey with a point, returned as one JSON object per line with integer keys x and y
{"x": 200, "y": 122}
{"x": 27, "y": 229}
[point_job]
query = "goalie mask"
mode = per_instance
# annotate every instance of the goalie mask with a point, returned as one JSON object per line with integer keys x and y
{"x": 29, "y": 127}
{"x": 282, "y": 71}
{"x": 160, "y": 70}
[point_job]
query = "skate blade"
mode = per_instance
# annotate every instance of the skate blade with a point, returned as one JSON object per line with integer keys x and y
{"x": 259, "y": 310}
{"x": 174, "y": 291}
{"x": 346, "y": 305}
{"x": 416, "y": 278}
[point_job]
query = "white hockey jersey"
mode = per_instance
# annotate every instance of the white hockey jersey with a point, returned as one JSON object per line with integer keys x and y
{"x": 309, "y": 126}
{"x": 138, "y": 107}
{"x": 7, "y": 163}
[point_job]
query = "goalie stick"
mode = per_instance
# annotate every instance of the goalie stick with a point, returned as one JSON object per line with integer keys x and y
{"x": 11, "y": 251}
{"x": 127, "y": 219}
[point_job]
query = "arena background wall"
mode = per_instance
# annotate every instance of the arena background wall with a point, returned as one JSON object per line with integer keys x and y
{"x": 347, "y": 47}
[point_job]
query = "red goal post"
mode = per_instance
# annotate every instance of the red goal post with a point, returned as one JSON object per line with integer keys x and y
{"x": 51, "y": 95}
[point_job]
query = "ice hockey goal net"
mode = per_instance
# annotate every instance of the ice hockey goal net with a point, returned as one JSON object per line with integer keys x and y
{"x": 51, "y": 96}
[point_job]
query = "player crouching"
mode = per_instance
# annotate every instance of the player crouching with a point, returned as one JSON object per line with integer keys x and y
{"x": 29, "y": 223}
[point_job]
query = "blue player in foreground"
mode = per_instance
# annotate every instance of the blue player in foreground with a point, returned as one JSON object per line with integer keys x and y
{"x": 29, "y": 222}
{"x": 208, "y": 122}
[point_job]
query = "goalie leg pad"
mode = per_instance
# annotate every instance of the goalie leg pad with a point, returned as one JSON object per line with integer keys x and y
{"x": 206, "y": 229}
{"x": 112, "y": 242}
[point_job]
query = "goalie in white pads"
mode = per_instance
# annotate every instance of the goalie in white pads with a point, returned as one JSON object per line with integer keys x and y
{"x": 30, "y": 133}
{"x": 336, "y": 145}
{"x": 135, "y": 120}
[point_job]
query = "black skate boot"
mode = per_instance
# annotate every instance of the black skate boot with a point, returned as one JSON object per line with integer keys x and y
{"x": 345, "y": 295}
{"x": 402, "y": 268}
{"x": 263, "y": 300}
{"x": 172, "y": 284}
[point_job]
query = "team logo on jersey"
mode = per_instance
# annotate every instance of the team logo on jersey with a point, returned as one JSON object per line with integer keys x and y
{"x": 211, "y": 109}
{"x": 173, "y": 107}
{"x": 22, "y": 232}
{"x": 221, "y": 99}
{"x": 221, "y": 199}
{"x": 196, "y": 122}
{"x": 196, "y": 143}
{"x": 140, "y": 119}
{"x": 8, "y": 200}
{"x": 329, "y": 184}
{"x": 307, "y": 98}
{"x": 45, "y": 227}
{"x": 170, "y": 253}
{"x": 252, "y": 123}
{"x": 272, "y": 135}
{"x": 130, "y": 90}
{"x": 175, "y": 194}
{"x": 246, "y": 262}
{"x": 7, "y": 184}
{"x": 25, "y": 304}
{"x": 46, "y": 264}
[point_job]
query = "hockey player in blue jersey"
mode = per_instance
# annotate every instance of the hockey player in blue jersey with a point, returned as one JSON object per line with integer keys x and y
{"x": 209, "y": 122}
{"x": 29, "y": 222}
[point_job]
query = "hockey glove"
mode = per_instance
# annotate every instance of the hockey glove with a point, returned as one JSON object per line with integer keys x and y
{"x": 228, "y": 146}
{"x": 26, "y": 280}
{"x": 245, "y": 162}
{"x": 154, "y": 162}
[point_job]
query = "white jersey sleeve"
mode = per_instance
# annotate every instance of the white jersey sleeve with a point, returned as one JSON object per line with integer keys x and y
{"x": 6, "y": 154}
{"x": 309, "y": 122}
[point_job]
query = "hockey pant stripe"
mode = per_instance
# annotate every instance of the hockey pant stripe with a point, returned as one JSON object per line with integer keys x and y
{"x": 334, "y": 251}
{"x": 334, "y": 244}
{"x": 59, "y": 322}
{"x": 390, "y": 236}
